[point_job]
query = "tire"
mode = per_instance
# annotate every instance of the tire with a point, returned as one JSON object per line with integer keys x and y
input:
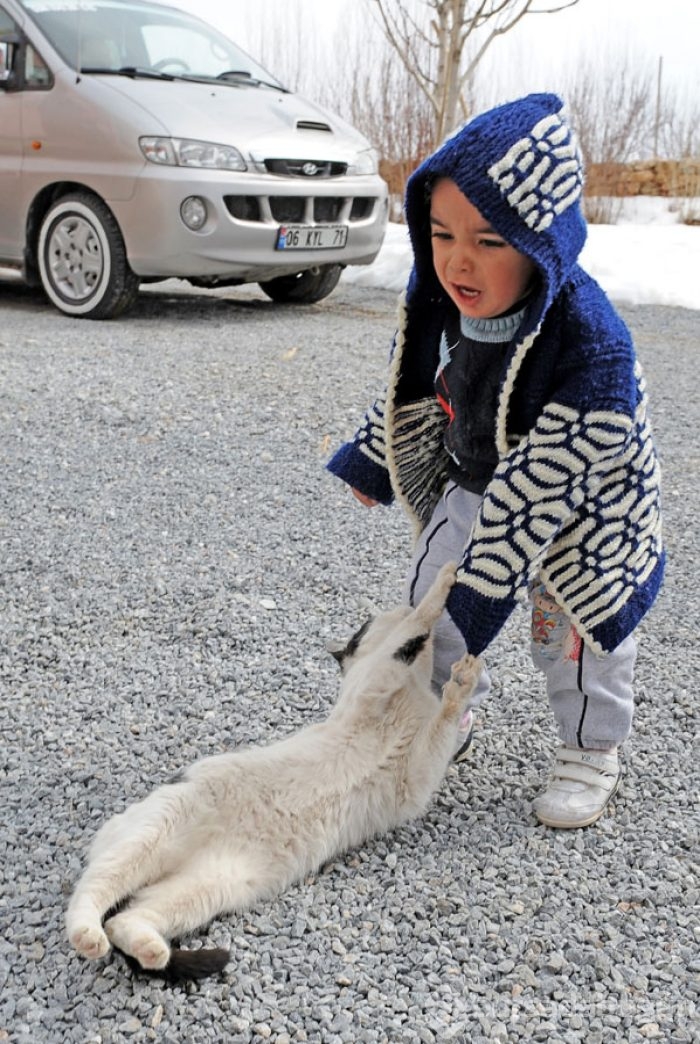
{"x": 303, "y": 287}
{"x": 82, "y": 259}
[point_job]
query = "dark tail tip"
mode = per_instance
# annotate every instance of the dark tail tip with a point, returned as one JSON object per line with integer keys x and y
{"x": 183, "y": 964}
{"x": 196, "y": 964}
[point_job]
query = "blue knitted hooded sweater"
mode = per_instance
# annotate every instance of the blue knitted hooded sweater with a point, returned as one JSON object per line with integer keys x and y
{"x": 575, "y": 495}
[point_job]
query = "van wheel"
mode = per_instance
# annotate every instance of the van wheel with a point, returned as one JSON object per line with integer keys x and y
{"x": 303, "y": 287}
{"x": 82, "y": 260}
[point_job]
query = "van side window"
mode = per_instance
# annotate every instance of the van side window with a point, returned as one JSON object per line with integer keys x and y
{"x": 36, "y": 71}
{"x": 7, "y": 29}
{"x": 19, "y": 57}
{"x": 5, "y": 59}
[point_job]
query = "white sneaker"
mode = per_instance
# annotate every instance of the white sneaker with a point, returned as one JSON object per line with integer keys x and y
{"x": 582, "y": 784}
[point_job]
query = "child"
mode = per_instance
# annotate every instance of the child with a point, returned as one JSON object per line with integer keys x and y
{"x": 514, "y": 433}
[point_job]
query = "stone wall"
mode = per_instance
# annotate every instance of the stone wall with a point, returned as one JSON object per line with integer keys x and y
{"x": 648, "y": 178}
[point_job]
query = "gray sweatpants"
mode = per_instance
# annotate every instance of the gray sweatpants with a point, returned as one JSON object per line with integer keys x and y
{"x": 591, "y": 697}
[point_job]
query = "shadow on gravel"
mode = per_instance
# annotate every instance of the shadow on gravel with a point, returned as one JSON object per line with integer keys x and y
{"x": 177, "y": 300}
{"x": 17, "y": 295}
{"x": 151, "y": 301}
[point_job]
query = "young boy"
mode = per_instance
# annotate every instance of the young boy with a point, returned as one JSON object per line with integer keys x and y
{"x": 514, "y": 433}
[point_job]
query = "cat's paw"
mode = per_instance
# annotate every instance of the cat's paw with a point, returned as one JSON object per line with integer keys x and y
{"x": 151, "y": 952}
{"x": 135, "y": 936}
{"x": 463, "y": 678}
{"x": 465, "y": 672}
{"x": 90, "y": 941}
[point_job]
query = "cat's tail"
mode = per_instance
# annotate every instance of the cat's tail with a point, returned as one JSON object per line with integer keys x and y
{"x": 197, "y": 964}
{"x": 183, "y": 964}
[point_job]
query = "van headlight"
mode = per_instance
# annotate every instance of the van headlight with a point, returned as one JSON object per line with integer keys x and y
{"x": 183, "y": 152}
{"x": 365, "y": 162}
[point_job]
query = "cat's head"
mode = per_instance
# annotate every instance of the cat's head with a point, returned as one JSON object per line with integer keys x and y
{"x": 367, "y": 638}
{"x": 382, "y": 663}
{"x": 393, "y": 652}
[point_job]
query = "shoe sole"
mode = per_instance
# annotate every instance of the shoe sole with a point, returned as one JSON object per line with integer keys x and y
{"x": 569, "y": 824}
{"x": 464, "y": 751}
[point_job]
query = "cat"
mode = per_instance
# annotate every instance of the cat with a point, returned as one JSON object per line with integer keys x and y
{"x": 238, "y": 827}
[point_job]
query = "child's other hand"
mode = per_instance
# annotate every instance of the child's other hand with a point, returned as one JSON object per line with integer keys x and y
{"x": 367, "y": 501}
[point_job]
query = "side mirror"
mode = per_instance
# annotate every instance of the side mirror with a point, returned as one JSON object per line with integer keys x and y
{"x": 9, "y": 47}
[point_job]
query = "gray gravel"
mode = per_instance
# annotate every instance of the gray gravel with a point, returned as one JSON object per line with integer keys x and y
{"x": 174, "y": 557}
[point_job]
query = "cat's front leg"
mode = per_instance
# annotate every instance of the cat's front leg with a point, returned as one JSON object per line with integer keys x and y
{"x": 455, "y": 693}
{"x": 433, "y": 602}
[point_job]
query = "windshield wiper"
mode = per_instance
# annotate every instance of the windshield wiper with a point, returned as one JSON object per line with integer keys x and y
{"x": 133, "y": 72}
{"x": 126, "y": 70}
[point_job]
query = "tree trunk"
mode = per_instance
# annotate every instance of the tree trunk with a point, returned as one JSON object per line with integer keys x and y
{"x": 451, "y": 18}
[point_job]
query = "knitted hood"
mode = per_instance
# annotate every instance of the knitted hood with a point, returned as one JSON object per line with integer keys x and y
{"x": 519, "y": 165}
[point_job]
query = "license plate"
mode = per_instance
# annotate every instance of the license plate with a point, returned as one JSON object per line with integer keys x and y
{"x": 311, "y": 237}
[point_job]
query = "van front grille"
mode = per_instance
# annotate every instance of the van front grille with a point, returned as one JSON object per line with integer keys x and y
{"x": 244, "y": 208}
{"x": 328, "y": 208}
{"x": 288, "y": 209}
{"x": 362, "y": 207}
{"x": 301, "y": 210}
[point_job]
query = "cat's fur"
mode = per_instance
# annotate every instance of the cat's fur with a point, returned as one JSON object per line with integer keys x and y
{"x": 238, "y": 827}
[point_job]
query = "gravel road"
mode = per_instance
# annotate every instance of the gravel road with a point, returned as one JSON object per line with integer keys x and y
{"x": 173, "y": 559}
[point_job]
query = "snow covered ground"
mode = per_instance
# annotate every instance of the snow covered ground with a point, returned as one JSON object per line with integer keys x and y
{"x": 648, "y": 258}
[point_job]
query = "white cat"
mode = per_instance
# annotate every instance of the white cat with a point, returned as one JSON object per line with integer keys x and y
{"x": 238, "y": 827}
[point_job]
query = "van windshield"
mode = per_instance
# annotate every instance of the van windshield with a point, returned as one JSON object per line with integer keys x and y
{"x": 133, "y": 37}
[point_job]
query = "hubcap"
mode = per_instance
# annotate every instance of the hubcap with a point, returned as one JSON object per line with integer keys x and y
{"x": 75, "y": 258}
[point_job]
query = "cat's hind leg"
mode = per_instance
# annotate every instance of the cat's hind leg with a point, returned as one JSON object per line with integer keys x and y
{"x": 87, "y": 936}
{"x": 97, "y": 891}
{"x": 176, "y": 905}
{"x": 128, "y": 850}
{"x": 136, "y": 935}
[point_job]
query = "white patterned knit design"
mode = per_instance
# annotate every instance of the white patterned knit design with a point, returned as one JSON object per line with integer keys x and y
{"x": 371, "y": 436}
{"x": 536, "y": 503}
{"x": 540, "y": 175}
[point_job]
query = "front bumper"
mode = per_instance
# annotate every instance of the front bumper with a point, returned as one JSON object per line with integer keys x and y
{"x": 244, "y": 214}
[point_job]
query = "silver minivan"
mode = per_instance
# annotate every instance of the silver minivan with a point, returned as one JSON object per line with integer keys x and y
{"x": 138, "y": 143}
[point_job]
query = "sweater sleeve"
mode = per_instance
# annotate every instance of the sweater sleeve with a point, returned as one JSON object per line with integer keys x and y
{"x": 536, "y": 489}
{"x": 362, "y": 461}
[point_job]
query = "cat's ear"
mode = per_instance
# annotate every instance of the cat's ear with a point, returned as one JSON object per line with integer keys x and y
{"x": 410, "y": 649}
{"x": 342, "y": 652}
{"x": 337, "y": 651}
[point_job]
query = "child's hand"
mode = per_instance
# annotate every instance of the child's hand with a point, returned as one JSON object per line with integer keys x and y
{"x": 367, "y": 501}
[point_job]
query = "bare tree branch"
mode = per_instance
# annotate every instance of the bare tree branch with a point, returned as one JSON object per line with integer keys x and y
{"x": 434, "y": 50}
